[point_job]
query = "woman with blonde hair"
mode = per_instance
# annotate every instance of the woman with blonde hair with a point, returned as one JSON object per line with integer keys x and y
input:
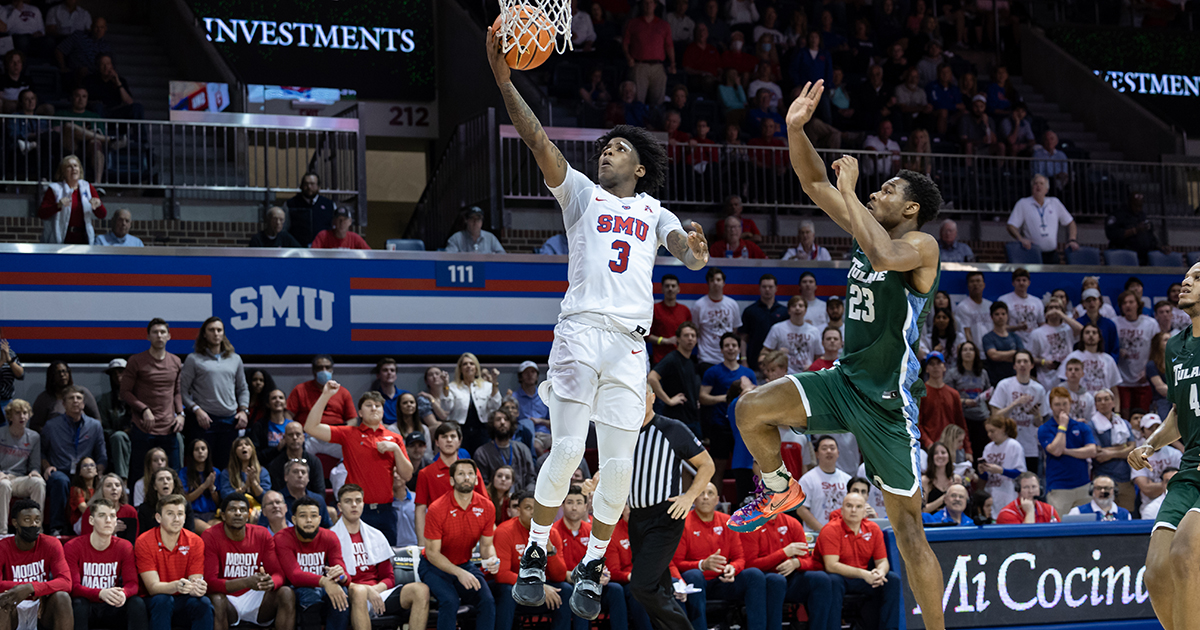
{"x": 112, "y": 487}
{"x": 470, "y": 398}
{"x": 69, "y": 206}
{"x": 245, "y": 475}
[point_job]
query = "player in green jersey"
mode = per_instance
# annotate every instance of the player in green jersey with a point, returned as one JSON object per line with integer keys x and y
{"x": 1173, "y": 560}
{"x": 874, "y": 390}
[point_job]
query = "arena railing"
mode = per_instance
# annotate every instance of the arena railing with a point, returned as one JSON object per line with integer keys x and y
{"x": 231, "y": 157}
{"x": 705, "y": 175}
{"x": 465, "y": 175}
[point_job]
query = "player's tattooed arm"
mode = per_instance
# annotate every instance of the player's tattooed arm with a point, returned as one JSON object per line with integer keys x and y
{"x": 691, "y": 248}
{"x": 549, "y": 158}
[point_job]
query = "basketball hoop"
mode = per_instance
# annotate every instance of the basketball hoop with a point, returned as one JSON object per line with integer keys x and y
{"x": 524, "y": 19}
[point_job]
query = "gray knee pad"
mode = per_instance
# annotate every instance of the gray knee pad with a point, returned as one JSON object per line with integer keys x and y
{"x": 555, "y": 477}
{"x": 613, "y": 490}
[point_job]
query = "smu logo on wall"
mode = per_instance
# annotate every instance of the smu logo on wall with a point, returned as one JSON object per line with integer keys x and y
{"x": 265, "y": 306}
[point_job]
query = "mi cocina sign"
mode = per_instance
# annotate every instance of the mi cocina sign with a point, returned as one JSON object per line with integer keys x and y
{"x": 1025, "y": 581}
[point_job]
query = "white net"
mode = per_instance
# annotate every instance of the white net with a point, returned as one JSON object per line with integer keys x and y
{"x": 521, "y": 22}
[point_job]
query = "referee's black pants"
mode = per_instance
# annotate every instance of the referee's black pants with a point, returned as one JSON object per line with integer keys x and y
{"x": 653, "y": 538}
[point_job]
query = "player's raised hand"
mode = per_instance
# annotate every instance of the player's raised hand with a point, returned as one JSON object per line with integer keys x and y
{"x": 801, "y": 110}
{"x": 697, "y": 243}
{"x": 846, "y": 168}
{"x": 495, "y": 54}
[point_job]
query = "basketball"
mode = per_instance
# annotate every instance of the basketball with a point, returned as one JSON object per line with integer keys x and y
{"x": 533, "y": 34}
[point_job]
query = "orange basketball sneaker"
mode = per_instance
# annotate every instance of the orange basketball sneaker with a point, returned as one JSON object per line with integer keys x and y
{"x": 765, "y": 506}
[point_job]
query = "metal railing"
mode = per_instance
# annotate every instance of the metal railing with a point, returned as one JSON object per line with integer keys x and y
{"x": 705, "y": 175}
{"x": 248, "y": 160}
{"x": 465, "y": 175}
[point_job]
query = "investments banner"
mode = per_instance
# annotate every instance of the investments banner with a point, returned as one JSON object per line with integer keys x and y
{"x": 89, "y": 300}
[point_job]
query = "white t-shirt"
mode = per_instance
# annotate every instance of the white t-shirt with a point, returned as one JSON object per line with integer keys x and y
{"x": 977, "y": 317}
{"x": 1040, "y": 223}
{"x": 803, "y": 344}
{"x": 817, "y": 313}
{"x": 1099, "y": 370}
{"x": 1179, "y": 319}
{"x": 1135, "y": 339}
{"x": 24, "y": 21}
{"x": 799, "y": 253}
{"x": 1026, "y": 310}
{"x": 714, "y": 319}
{"x": 825, "y": 492}
{"x": 1106, "y": 310}
{"x": 1029, "y": 416}
{"x": 139, "y": 492}
{"x": 582, "y": 29}
{"x": 1083, "y": 404}
{"x": 887, "y": 162}
{"x": 1052, "y": 343}
{"x": 1166, "y": 457}
{"x": 1150, "y": 509}
{"x": 875, "y": 499}
{"x": 1010, "y": 455}
{"x": 770, "y": 86}
{"x": 849, "y": 458}
{"x": 614, "y": 243}
{"x": 67, "y": 21}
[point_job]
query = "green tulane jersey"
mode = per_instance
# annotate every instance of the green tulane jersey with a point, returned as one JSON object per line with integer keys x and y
{"x": 1183, "y": 389}
{"x": 883, "y": 322}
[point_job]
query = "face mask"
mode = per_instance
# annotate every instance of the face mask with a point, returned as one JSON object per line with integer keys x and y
{"x": 29, "y": 534}
{"x": 323, "y": 377}
{"x": 766, "y": 47}
{"x": 736, "y": 45}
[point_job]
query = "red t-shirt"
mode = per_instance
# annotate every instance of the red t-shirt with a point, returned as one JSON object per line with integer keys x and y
{"x": 709, "y": 153}
{"x": 93, "y": 571}
{"x": 44, "y": 566}
{"x": 339, "y": 411}
{"x": 460, "y": 529}
{"x": 433, "y": 482}
{"x": 706, "y": 60}
{"x": 364, "y": 573}
{"x": 365, "y": 465}
{"x": 126, "y": 511}
{"x": 327, "y": 239}
{"x": 853, "y": 550}
{"x": 303, "y": 563}
{"x": 226, "y": 559}
{"x": 1012, "y": 514}
{"x": 748, "y": 225}
{"x": 574, "y": 543}
{"x": 819, "y": 364}
{"x": 666, "y": 321}
{"x": 510, "y": 540}
{"x": 701, "y": 540}
{"x": 941, "y": 408}
{"x": 745, "y": 249}
{"x": 185, "y": 559}
{"x": 763, "y": 548}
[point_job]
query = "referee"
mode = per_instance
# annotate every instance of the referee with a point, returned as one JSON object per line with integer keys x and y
{"x": 657, "y": 510}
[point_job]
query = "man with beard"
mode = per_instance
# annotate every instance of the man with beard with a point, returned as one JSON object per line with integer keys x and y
{"x": 368, "y": 554}
{"x": 104, "y": 579}
{"x": 1103, "y": 504}
{"x": 311, "y": 559}
{"x": 243, "y": 572}
{"x": 505, "y": 451}
{"x": 454, "y": 523}
{"x": 170, "y": 561}
{"x": 33, "y": 570}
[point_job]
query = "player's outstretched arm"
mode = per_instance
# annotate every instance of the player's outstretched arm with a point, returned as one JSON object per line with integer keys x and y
{"x": 1166, "y": 433}
{"x": 548, "y": 157}
{"x": 913, "y": 250}
{"x": 691, "y": 248}
{"x": 809, "y": 166}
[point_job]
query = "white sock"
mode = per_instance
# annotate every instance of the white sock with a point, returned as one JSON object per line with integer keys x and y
{"x": 595, "y": 549}
{"x": 777, "y": 481}
{"x": 539, "y": 534}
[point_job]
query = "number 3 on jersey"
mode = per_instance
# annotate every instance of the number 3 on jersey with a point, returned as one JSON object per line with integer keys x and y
{"x": 862, "y": 304}
{"x": 622, "y": 262}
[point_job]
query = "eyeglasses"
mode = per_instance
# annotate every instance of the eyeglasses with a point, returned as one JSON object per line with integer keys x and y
{"x": 301, "y": 460}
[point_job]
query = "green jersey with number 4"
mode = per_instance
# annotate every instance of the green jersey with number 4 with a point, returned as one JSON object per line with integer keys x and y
{"x": 1183, "y": 389}
{"x": 884, "y": 315}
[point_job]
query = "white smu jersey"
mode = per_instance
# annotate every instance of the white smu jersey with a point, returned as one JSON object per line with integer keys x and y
{"x": 613, "y": 244}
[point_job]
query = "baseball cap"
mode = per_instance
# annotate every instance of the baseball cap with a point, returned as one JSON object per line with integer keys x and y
{"x": 525, "y": 365}
{"x": 473, "y": 210}
{"x": 935, "y": 355}
{"x": 979, "y": 97}
{"x": 115, "y": 364}
{"x": 1091, "y": 293}
{"x": 342, "y": 212}
{"x": 1150, "y": 420}
{"x": 415, "y": 436}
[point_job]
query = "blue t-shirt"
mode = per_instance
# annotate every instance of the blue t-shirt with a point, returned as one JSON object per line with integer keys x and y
{"x": 531, "y": 407}
{"x": 389, "y": 404}
{"x": 1000, "y": 370}
{"x": 1064, "y": 472}
{"x": 204, "y": 504}
{"x": 720, "y": 378}
{"x": 940, "y": 517}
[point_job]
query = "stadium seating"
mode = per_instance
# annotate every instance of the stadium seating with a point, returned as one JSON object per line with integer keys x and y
{"x": 1120, "y": 258}
{"x": 1166, "y": 259}
{"x": 1084, "y": 256}
{"x": 1020, "y": 256}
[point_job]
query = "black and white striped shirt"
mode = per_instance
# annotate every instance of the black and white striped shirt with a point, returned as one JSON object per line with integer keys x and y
{"x": 658, "y": 458}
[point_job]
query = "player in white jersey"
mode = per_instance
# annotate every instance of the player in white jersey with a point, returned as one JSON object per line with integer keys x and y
{"x": 597, "y": 362}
